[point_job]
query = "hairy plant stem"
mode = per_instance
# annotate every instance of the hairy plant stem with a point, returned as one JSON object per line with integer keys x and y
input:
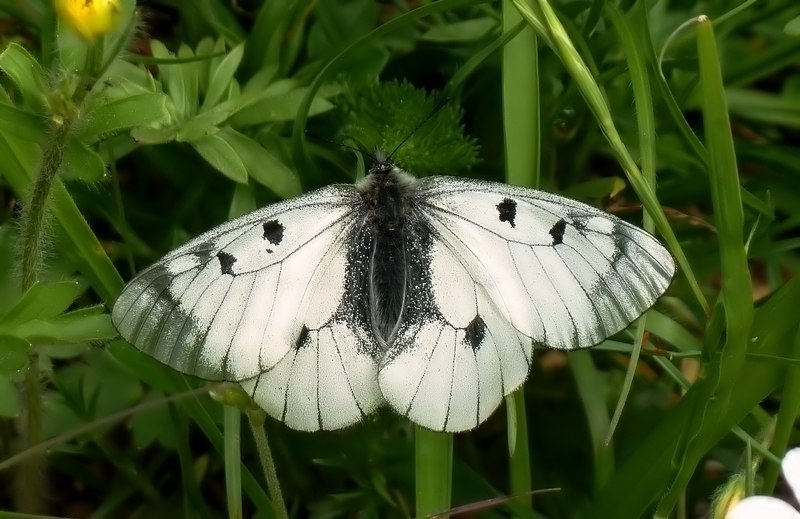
{"x": 31, "y": 482}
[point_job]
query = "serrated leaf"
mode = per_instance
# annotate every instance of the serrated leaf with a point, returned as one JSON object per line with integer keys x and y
{"x": 122, "y": 114}
{"x": 222, "y": 76}
{"x": 25, "y": 72}
{"x": 42, "y": 300}
{"x": 262, "y": 165}
{"x": 82, "y": 163}
{"x": 221, "y": 155}
{"x": 13, "y": 354}
{"x": 20, "y": 123}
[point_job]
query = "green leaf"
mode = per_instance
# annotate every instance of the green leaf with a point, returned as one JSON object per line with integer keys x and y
{"x": 262, "y": 165}
{"x": 242, "y": 202}
{"x": 792, "y": 27}
{"x": 81, "y": 163}
{"x": 25, "y": 72}
{"x": 10, "y": 404}
{"x": 596, "y": 188}
{"x": 21, "y": 123}
{"x": 43, "y": 300}
{"x": 179, "y": 79}
{"x": 222, "y": 76}
{"x": 145, "y": 135}
{"x": 154, "y": 425}
{"x": 277, "y": 108}
{"x": 122, "y": 114}
{"x": 196, "y": 129}
{"x": 459, "y": 32}
{"x": 781, "y": 110}
{"x": 221, "y": 155}
{"x": 71, "y": 327}
{"x": 190, "y": 74}
{"x": 205, "y": 123}
{"x": 13, "y": 355}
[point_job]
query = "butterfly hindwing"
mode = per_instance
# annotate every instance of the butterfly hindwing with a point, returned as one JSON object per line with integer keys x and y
{"x": 328, "y": 379}
{"x": 506, "y": 268}
{"x": 455, "y": 355}
{"x": 240, "y": 300}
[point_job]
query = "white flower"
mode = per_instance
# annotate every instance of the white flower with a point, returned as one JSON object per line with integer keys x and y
{"x": 758, "y": 507}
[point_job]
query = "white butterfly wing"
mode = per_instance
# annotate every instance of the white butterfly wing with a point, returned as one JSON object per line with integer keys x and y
{"x": 259, "y": 300}
{"x": 508, "y": 267}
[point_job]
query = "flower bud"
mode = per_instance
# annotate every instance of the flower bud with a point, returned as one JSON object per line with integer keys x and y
{"x": 89, "y": 18}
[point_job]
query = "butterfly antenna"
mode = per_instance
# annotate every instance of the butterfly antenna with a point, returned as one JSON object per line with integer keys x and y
{"x": 315, "y": 137}
{"x": 436, "y": 109}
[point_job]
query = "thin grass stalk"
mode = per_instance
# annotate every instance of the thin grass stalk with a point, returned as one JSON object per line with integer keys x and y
{"x": 735, "y": 302}
{"x": 233, "y": 460}
{"x": 256, "y": 419}
{"x": 640, "y": 83}
{"x": 595, "y": 99}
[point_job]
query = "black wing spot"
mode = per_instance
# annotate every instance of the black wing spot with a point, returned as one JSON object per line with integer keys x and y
{"x": 226, "y": 262}
{"x": 273, "y": 232}
{"x": 557, "y": 232}
{"x": 302, "y": 339}
{"x": 475, "y": 332}
{"x": 507, "y": 209}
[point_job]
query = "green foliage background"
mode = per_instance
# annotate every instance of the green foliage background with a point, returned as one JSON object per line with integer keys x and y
{"x": 190, "y": 113}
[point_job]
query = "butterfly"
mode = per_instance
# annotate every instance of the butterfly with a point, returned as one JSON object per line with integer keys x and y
{"x": 427, "y": 294}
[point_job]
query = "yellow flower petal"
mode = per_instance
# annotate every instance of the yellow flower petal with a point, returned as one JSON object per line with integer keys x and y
{"x": 89, "y": 18}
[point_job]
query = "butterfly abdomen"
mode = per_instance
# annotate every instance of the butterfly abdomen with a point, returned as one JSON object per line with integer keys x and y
{"x": 388, "y": 195}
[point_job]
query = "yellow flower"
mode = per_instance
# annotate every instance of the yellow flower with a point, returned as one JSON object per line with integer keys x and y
{"x": 89, "y": 18}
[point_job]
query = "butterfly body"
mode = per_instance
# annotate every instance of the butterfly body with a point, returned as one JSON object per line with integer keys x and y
{"x": 424, "y": 294}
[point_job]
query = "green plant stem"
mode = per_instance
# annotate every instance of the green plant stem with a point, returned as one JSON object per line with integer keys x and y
{"x": 647, "y": 150}
{"x": 256, "y": 419}
{"x": 34, "y": 210}
{"x": 31, "y": 483}
{"x": 433, "y": 471}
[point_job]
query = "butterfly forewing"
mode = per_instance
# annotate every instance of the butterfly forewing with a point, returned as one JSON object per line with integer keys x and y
{"x": 225, "y": 305}
{"x": 568, "y": 275}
